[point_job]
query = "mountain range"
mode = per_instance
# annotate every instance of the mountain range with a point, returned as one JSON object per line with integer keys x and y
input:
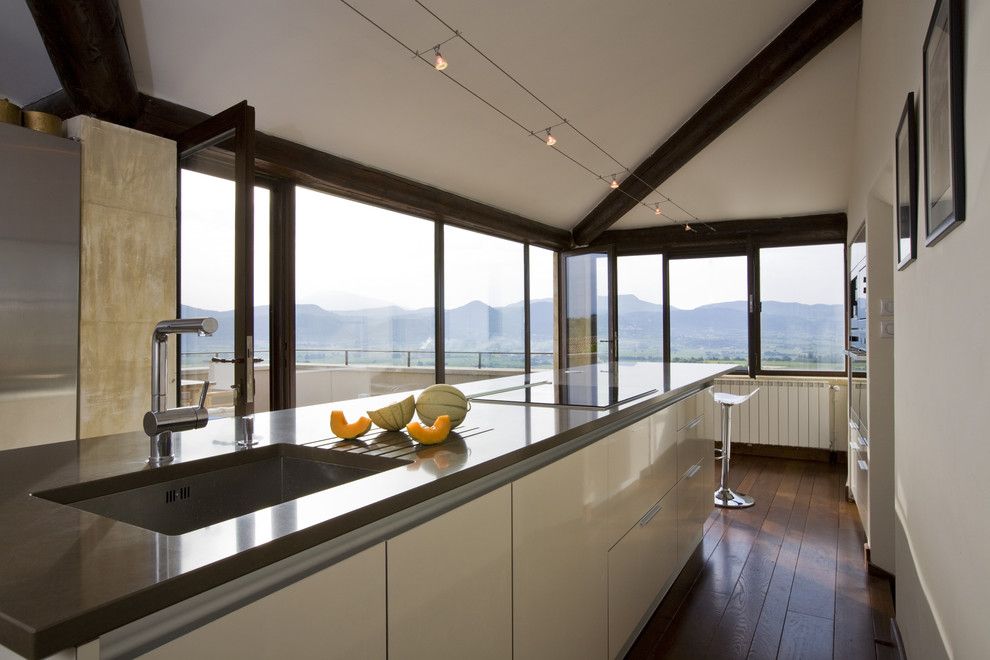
{"x": 790, "y": 331}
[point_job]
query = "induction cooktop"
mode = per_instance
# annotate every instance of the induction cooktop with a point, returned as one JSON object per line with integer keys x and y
{"x": 583, "y": 387}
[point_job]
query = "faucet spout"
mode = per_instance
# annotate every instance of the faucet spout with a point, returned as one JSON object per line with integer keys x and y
{"x": 159, "y": 422}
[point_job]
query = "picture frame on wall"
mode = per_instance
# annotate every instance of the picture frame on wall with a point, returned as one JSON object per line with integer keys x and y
{"x": 906, "y": 184}
{"x": 942, "y": 100}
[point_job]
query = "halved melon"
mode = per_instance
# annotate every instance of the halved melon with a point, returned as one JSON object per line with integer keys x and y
{"x": 395, "y": 416}
{"x": 341, "y": 429}
{"x": 430, "y": 435}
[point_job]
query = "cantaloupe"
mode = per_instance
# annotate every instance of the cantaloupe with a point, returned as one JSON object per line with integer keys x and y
{"x": 341, "y": 429}
{"x": 430, "y": 435}
{"x": 395, "y": 416}
{"x": 438, "y": 400}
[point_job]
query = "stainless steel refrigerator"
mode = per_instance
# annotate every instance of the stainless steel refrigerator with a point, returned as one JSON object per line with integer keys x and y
{"x": 39, "y": 287}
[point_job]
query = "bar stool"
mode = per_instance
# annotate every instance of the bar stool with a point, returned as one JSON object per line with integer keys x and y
{"x": 724, "y": 497}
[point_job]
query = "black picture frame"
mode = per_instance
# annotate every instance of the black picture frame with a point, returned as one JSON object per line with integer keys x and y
{"x": 942, "y": 99}
{"x": 906, "y": 184}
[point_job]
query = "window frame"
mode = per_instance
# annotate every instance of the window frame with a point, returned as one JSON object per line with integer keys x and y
{"x": 751, "y": 250}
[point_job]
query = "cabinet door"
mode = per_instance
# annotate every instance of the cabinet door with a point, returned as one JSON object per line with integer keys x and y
{"x": 689, "y": 449}
{"x": 663, "y": 450}
{"x": 338, "y": 612}
{"x": 639, "y": 567}
{"x": 450, "y": 583}
{"x": 631, "y": 488}
{"x": 559, "y": 546}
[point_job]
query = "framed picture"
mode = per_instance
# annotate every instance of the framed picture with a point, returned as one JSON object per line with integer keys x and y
{"x": 945, "y": 184}
{"x": 906, "y": 191}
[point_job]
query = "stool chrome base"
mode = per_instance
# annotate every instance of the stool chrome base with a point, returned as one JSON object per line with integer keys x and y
{"x": 727, "y": 499}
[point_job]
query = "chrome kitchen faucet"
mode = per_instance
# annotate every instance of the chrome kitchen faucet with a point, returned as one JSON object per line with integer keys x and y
{"x": 160, "y": 422}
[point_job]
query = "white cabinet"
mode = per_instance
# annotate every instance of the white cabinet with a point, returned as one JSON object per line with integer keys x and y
{"x": 663, "y": 450}
{"x": 338, "y": 612}
{"x": 695, "y": 501}
{"x": 639, "y": 566}
{"x": 450, "y": 583}
{"x": 631, "y": 484}
{"x": 559, "y": 546}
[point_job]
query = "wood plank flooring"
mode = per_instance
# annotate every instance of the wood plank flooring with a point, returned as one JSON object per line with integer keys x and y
{"x": 783, "y": 579}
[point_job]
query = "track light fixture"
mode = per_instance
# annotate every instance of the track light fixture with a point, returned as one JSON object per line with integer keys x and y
{"x": 657, "y": 210}
{"x": 440, "y": 63}
{"x": 614, "y": 184}
{"x": 551, "y": 140}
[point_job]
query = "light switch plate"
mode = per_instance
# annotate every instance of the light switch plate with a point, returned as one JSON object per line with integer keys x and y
{"x": 886, "y": 328}
{"x": 887, "y": 306}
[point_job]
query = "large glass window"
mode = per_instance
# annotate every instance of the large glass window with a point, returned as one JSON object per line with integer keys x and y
{"x": 586, "y": 309}
{"x": 364, "y": 300}
{"x": 709, "y": 310}
{"x": 206, "y": 288}
{"x": 802, "y": 313}
{"x": 483, "y": 301}
{"x": 541, "y": 323}
{"x": 640, "y": 308}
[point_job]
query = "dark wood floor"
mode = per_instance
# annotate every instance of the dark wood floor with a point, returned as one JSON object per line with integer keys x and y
{"x": 783, "y": 579}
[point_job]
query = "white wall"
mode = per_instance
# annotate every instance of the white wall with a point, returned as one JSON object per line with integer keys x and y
{"x": 942, "y": 373}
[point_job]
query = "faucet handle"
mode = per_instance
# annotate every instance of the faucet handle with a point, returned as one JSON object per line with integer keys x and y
{"x": 203, "y": 392}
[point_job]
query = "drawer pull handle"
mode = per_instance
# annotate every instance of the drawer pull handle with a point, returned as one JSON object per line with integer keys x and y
{"x": 693, "y": 470}
{"x": 863, "y": 465}
{"x": 697, "y": 420}
{"x": 650, "y": 515}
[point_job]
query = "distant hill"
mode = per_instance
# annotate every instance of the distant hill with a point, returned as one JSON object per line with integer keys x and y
{"x": 718, "y": 331}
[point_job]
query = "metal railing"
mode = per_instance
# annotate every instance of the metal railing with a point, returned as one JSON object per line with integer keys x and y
{"x": 401, "y": 358}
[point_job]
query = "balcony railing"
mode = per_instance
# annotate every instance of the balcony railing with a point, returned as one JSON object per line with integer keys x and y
{"x": 377, "y": 358}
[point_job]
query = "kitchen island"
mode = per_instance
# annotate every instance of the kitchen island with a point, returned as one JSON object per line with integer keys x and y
{"x": 559, "y": 492}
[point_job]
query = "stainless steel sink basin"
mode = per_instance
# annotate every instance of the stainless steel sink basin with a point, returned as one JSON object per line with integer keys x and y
{"x": 180, "y": 498}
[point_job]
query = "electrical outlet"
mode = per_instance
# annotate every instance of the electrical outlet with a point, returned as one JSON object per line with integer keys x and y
{"x": 887, "y": 306}
{"x": 886, "y": 328}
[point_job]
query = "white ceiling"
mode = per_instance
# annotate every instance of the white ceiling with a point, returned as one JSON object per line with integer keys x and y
{"x": 790, "y": 155}
{"x": 26, "y": 74}
{"x": 626, "y": 73}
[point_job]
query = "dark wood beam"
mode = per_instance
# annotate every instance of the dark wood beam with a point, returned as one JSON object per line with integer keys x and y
{"x": 729, "y": 235}
{"x": 819, "y": 25}
{"x": 284, "y": 159}
{"x": 86, "y": 44}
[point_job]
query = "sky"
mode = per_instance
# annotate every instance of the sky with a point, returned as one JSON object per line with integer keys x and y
{"x": 351, "y": 255}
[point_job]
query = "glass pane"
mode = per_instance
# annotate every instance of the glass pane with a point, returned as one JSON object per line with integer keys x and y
{"x": 802, "y": 315}
{"x": 541, "y": 323}
{"x": 364, "y": 300}
{"x": 587, "y": 309}
{"x": 206, "y": 288}
{"x": 640, "y": 308}
{"x": 483, "y": 295}
{"x": 708, "y": 310}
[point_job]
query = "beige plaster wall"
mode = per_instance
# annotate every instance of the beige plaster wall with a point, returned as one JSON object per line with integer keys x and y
{"x": 127, "y": 269}
{"x": 941, "y": 366}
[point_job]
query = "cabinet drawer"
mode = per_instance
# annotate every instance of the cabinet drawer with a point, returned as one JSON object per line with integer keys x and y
{"x": 690, "y": 448}
{"x": 691, "y": 511}
{"x": 639, "y": 566}
{"x": 663, "y": 450}
{"x": 631, "y": 487}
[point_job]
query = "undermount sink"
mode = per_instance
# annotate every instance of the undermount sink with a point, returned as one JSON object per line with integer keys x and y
{"x": 180, "y": 498}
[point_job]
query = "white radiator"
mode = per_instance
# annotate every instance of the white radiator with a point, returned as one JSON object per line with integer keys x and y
{"x": 791, "y": 412}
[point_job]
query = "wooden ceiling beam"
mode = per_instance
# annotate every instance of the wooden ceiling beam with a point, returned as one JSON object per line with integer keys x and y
{"x": 730, "y": 234}
{"x": 281, "y": 158}
{"x": 86, "y": 44}
{"x": 818, "y": 26}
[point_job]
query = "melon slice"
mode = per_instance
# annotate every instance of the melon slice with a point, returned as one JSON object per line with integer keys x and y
{"x": 438, "y": 400}
{"x": 395, "y": 416}
{"x": 430, "y": 435}
{"x": 341, "y": 429}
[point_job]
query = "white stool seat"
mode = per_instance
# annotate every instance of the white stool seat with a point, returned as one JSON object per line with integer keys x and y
{"x": 727, "y": 399}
